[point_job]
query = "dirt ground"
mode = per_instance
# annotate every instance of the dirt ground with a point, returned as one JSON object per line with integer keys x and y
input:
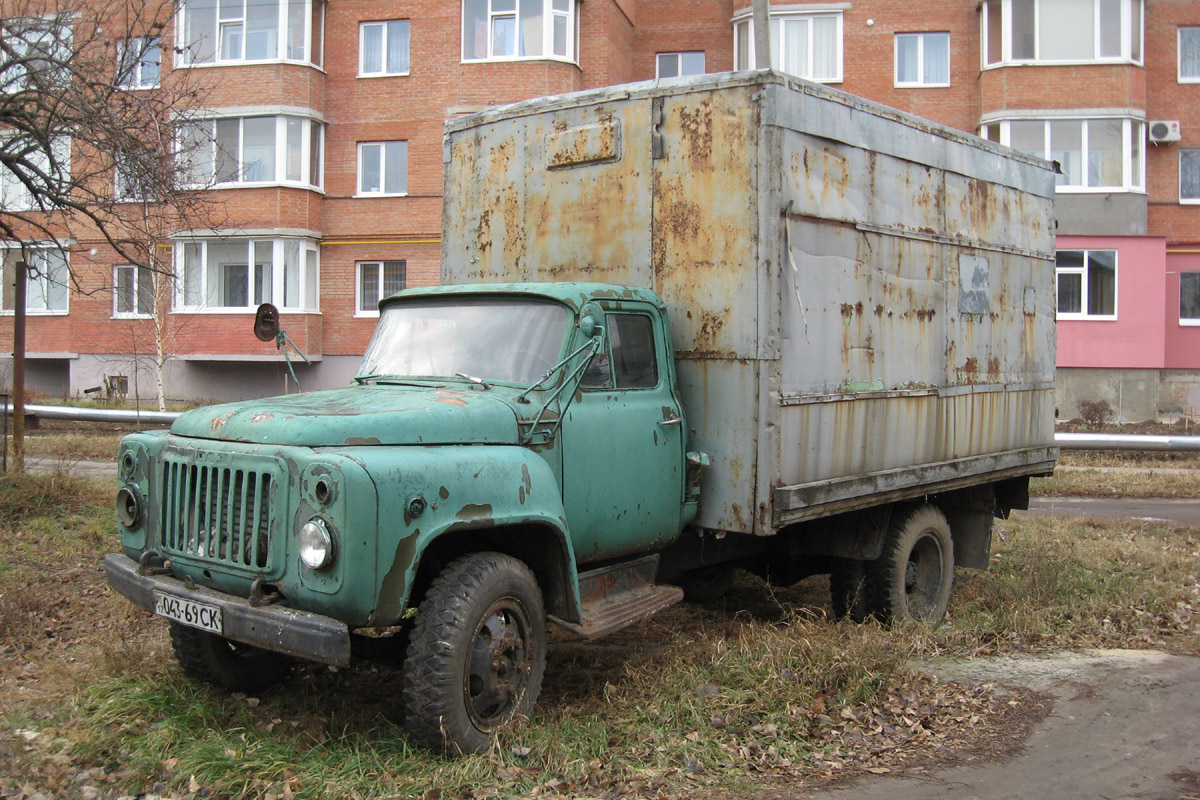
{"x": 1125, "y": 724}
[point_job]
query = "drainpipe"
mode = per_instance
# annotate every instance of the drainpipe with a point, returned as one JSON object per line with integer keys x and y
{"x": 18, "y": 375}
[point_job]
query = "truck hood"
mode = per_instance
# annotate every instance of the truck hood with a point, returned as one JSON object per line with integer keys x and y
{"x": 366, "y": 415}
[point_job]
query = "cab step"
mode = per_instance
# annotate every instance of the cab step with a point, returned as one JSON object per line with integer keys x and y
{"x": 615, "y": 596}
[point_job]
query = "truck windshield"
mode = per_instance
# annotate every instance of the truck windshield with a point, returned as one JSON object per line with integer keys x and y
{"x": 505, "y": 340}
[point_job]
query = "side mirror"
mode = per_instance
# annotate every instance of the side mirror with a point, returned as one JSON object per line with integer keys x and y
{"x": 589, "y": 320}
{"x": 266, "y": 323}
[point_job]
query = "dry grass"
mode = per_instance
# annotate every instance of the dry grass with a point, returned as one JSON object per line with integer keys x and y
{"x": 698, "y": 699}
{"x": 1117, "y": 482}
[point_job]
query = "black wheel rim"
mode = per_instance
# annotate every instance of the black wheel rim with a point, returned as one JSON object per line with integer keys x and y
{"x": 923, "y": 576}
{"x": 499, "y": 665}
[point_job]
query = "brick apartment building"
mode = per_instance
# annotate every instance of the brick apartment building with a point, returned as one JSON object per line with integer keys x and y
{"x": 326, "y": 124}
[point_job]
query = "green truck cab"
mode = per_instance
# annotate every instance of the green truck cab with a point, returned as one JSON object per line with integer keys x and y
{"x": 499, "y": 442}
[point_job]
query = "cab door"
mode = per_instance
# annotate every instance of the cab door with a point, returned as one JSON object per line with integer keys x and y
{"x": 623, "y": 442}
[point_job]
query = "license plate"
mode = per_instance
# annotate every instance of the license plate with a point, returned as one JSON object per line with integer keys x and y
{"x": 189, "y": 612}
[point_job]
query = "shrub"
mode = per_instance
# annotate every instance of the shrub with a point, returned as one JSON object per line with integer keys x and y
{"x": 1095, "y": 413}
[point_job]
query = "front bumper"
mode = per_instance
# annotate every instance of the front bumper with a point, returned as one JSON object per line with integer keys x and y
{"x": 284, "y": 630}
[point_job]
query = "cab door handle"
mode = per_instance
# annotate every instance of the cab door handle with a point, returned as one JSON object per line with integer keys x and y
{"x": 672, "y": 421}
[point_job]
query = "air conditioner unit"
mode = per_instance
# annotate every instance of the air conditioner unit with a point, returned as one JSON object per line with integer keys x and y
{"x": 1164, "y": 130}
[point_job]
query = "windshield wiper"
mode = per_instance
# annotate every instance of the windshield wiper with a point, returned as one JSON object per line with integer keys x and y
{"x": 473, "y": 379}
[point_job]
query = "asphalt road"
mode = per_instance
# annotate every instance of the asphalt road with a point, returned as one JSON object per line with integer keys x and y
{"x": 1178, "y": 511}
{"x": 1124, "y": 725}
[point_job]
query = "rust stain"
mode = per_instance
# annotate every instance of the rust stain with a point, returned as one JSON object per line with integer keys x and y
{"x": 448, "y": 393}
{"x": 453, "y": 401}
{"x": 925, "y": 314}
{"x": 444, "y": 493}
{"x": 971, "y": 369}
{"x": 993, "y": 367}
{"x": 219, "y": 422}
{"x": 262, "y": 417}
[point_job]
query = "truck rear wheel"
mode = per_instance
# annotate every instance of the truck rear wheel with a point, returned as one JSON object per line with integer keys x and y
{"x": 850, "y": 591}
{"x": 222, "y": 662}
{"x": 914, "y": 575}
{"x": 476, "y": 653}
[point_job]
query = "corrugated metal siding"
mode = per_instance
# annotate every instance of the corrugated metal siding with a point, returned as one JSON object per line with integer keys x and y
{"x": 851, "y": 290}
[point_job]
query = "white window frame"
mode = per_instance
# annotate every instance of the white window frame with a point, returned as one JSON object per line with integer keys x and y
{"x": 1131, "y": 52}
{"x": 193, "y": 290}
{"x": 1191, "y": 154}
{"x": 132, "y": 76}
{"x": 15, "y": 196}
{"x": 921, "y": 37}
{"x": 139, "y": 275}
{"x": 1193, "y": 30}
{"x": 678, "y": 58}
{"x": 747, "y": 60}
{"x": 1082, "y": 272}
{"x": 1133, "y": 132}
{"x": 387, "y": 29}
{"x": 310, "y": 12}
{"x": 40, "y": 281}
{"x": 41, "y": 31}
{"x": 549, "y": 14}
{"x": 383, "y": 166}
{"x": 1188, "y": 322}
{"x": 311, "y": 156}
{"x": 373, "y": 311}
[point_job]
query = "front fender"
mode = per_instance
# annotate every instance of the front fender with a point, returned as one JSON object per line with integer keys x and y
{"x": 426, "y": 493}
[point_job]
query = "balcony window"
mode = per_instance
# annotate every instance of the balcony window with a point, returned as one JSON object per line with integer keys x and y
{"x": 49, "y": 277}
{"x": 1189, "y": 175}
{"x": 383, "y": 48}
{"x": 676, "y": 65}
{"x": 1050, "y": 31}
{"x": 241, "y": 274}
{"x": 38, "y": 177}
{"x": 37, "y": 55}
{"x": 230, "y": 151}
{"x": 1095, "y": 155}
{"x": 922, "y": 59}
{"x": 139, "y": 62}
{"x": 1189, "y": 55}
{"x": 382, "y": 168}
{"x": 133, "y": 291}
{"x": 1189, "y": 298}
{"x": 377, "y": 280}
{"x": 805, "y": 45}
{"x": 515, "y": 29}
{"x": 237, "y": 31}
{"x": 1087, "y": 284}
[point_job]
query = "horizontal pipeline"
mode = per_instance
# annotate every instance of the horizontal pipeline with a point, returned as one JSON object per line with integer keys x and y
{"x": 1065, "y": 441}
{"x": 100, "y": 414}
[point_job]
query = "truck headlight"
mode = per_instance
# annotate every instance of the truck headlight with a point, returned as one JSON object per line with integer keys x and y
{"x": 129, "y": 507}
{"x": 316, "y": 544}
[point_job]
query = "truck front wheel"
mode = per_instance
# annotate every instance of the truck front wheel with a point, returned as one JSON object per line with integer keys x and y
{"x": 222, "y": 662}
{"x": 476, "y": 653}
{"x": 913, "y": 576}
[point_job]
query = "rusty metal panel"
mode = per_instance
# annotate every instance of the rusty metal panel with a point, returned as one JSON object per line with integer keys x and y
{"x": 853, "y": 291}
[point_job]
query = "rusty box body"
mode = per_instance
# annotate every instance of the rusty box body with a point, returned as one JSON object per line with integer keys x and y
{"x": 862, "y": 302}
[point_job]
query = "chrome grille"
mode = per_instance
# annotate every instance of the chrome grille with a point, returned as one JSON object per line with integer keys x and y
{"x": 217, "y": 513}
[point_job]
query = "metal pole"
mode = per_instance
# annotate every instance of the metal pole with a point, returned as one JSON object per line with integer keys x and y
{"x": 762, "y": 35}
{"x": 18, "y": 387}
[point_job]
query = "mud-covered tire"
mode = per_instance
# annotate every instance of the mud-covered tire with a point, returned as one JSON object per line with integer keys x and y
{"x": 914, "y": 575}
{"x": 229, "y": 665}
{"x": 850, "y": 591}
{"x": 476, "y": 653}
{"x": 706, "y": 584}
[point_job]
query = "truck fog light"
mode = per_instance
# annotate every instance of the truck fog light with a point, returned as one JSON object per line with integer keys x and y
{"x": 129, "y": 507}
{"x": 316, "y": 544}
